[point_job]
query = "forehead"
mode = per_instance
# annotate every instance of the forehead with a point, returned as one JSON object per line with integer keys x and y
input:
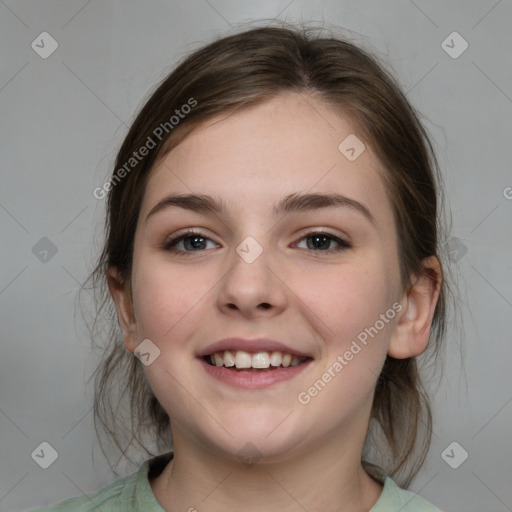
{"x": 255, "y": 156}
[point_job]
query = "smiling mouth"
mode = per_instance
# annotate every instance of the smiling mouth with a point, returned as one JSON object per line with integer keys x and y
{"x": 264, "y": 361}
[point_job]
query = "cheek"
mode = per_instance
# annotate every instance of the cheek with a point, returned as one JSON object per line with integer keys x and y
{"x": 355, "y": 316}
{"x": 167, "y": 307}
{"x": 164, "y": 296}
{"x": 354, "y": 310}
{"x": 348, "y": 299}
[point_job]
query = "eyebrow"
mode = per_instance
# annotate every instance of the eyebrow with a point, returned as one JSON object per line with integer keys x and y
{"x": 296, "y": 202}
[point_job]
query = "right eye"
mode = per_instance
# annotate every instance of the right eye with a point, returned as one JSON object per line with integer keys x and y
{"x": 192, "y": 240}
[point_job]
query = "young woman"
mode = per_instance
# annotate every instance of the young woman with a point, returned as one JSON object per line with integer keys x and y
{"x": 272, "y": 251}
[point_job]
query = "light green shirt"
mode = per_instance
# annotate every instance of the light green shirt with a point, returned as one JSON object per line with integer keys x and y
{"x": 133, "y": 493}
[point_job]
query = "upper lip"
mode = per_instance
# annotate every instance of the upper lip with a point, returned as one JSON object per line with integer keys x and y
{"x": 251, "y": 345}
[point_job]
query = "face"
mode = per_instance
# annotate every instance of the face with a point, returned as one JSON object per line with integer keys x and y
{"x": 320, "y": 280}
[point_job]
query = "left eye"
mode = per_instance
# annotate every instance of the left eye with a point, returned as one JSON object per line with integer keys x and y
{"x": 321, "y": 241}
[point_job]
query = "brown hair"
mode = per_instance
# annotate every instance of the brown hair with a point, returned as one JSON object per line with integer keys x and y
{"x": 244, "y": 69}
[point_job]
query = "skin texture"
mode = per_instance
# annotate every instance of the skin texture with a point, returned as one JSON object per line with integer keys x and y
{"x": 308, "y": 455}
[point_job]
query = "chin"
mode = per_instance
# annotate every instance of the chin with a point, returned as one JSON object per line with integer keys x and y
{"x": 255, "y": 438}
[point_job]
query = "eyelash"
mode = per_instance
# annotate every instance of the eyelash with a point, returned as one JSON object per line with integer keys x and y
{"x": 170, "y": 245}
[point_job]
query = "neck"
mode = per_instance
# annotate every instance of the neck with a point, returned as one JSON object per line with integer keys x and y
{"x": 329, "y": 477}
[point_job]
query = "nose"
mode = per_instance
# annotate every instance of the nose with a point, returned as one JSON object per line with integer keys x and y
{"x": 253, "y": 288}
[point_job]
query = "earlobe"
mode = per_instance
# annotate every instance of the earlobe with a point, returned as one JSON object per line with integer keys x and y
{"x": 120, "y": 291}
{"x": 412, "y": 331}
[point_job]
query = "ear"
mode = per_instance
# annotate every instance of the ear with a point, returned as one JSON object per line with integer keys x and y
{"x": 412, "y": 331}
{"x": 120, "y": 291}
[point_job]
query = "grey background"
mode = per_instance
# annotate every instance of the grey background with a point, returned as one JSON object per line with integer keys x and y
{"x": 63, "y": 119}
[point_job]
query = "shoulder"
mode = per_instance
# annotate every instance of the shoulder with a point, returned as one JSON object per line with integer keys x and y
{"x": 128, "y": 494}
{"x": 107, "y": 499}
{"x": 409, "y": 501}
{"x": 395, "y": 498}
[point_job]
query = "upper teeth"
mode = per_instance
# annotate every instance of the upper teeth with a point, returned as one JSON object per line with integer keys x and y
{"x": 242, "y": 359}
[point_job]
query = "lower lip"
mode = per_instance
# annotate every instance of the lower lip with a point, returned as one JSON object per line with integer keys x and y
{"x": 253, "y": 380}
